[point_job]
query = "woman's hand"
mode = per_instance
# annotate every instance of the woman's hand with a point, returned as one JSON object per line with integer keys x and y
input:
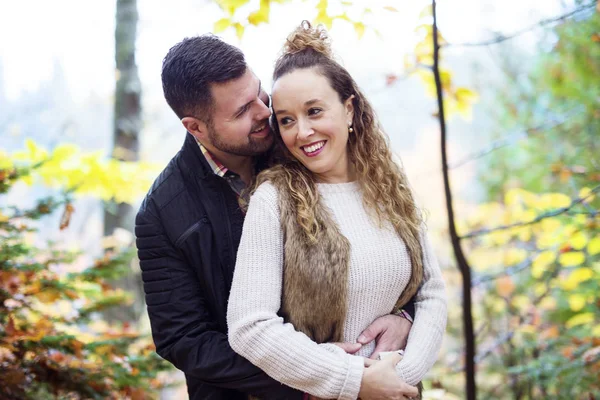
{"x": 380, "y": 381}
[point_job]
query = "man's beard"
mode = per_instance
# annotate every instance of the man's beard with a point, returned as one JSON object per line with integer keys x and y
{"x": 254, "y": 147}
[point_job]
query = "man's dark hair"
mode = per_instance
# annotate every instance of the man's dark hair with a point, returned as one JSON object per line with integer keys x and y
{"x": 189, "y": 69}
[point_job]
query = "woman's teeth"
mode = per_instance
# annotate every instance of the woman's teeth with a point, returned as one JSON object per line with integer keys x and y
{"x": 313, "y": 147}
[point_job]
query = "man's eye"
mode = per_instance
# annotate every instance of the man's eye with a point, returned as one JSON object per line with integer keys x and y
{"x": 242, "y": 112}
{"x": 314, "y": 111}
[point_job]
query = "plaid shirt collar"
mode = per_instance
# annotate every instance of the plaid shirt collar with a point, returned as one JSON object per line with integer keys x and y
{"x": 217, "y": 167}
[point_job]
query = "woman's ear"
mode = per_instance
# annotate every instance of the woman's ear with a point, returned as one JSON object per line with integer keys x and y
{"x": 349, "y": 106}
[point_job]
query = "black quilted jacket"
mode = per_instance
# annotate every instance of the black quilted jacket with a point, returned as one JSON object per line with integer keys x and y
{"x": 188, "y": 230}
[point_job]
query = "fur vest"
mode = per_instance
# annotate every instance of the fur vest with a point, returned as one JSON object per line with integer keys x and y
{"x": 315, "y": 275}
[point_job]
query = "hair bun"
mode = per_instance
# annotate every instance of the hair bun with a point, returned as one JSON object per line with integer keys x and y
{"x": 308, "y": 37}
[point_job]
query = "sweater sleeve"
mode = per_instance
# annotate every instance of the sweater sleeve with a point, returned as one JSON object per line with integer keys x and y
{"x": 256, "y": 331}
{"x": 427, "y": 332}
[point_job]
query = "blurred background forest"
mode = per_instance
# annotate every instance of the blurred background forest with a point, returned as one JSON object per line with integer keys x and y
{"x": 85, "y": 130}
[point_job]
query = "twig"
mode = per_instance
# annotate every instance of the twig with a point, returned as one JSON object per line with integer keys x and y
{"x": 501, "y": 38}
{"x": 509, "y": 271}
{"x": 506, "y": 141}
{"x": 537, "y": 219}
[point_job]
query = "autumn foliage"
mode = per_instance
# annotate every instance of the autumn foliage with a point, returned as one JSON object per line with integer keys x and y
{"x": 52, "y": 342}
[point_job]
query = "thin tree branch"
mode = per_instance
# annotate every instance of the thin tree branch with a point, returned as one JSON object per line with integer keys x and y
{"x": 537, "y": 219}
{"x": 501, "y": 38}
{"x": 506, "y": 141}
{"x": 507, "y": 272}
{"x": 463, "y": 265}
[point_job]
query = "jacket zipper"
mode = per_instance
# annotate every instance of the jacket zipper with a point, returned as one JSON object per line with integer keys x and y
{"x": 189, "y": 231}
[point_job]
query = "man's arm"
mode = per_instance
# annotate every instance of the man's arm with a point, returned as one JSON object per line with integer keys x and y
{"x": 182, "y": 328}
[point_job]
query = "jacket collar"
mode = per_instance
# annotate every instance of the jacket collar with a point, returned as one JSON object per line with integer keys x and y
{"x": 194, "y": 159}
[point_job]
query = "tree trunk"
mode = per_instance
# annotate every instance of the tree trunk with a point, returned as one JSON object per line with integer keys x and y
{"x": 126, "y": 131}
{"x": 461, "y": 260}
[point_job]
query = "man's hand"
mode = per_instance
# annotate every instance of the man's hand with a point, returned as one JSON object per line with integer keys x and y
{"x": 390, "y": 333}
{"x": 349, "y": 348}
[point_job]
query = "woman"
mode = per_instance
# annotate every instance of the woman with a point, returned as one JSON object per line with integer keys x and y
{"x": 332, "y": 240}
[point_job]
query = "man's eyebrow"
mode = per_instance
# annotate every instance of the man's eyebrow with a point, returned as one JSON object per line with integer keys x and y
{"x": 247, "y": 105}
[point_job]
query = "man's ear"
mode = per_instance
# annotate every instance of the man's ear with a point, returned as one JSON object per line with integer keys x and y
{"x": 196, "y": 127}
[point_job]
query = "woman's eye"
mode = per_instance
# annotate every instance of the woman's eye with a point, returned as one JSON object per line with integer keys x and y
{"x": 314, "y": 111}
{"x": 285, "y": 121}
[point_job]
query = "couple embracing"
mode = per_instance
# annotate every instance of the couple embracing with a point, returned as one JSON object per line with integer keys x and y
{"x": 281, "y": 249}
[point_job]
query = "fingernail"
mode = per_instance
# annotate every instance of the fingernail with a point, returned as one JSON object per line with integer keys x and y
{"x": 362, "y": 338}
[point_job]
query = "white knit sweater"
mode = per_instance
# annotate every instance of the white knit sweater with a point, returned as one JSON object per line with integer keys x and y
{"x": 379, "y": 271}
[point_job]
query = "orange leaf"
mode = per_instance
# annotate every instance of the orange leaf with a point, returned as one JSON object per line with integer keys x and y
{"x": 6, "y": 355}
{"x": 591, "y": 355}
{"x": 505, "y": 286}
{"x": 550, "y": 333}
{"x": 390, "y": 79}
{"x": 10, "y": 327}
{"x": 567, "y": 352}
{"x": 596, "y": 38}
{"x": 66, "y": 217}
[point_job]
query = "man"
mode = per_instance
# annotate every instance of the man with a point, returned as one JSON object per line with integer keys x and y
{"x": 189, "y": 225}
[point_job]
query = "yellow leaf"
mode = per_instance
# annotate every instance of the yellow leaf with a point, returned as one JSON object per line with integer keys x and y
{"x": 359, "y": 27}
{"x": 482, "y": 259}
{"x": 426, "y": 12}
{"x": 514, "y": 256}
{"x": 594, "y": 246}
{"x": 231, "y": 6}
{"x": 261, "y": 15}
{"x": 576, "y": 302}
{"x": 571, "y": 258}
{"x": 323, "y": 18}
{"x": 545, "y": 258}
{"x": 586, "y": 193}
{"x": 239, "y": 30}
{"x": 48, "y": 296}
{"x": 390, "y": 8}
{"x": 539, "y": 289}
{"x": 580, "y": 319}
{"x": 221, "y": 25}
{"x": 578, "y": 241}
{"x": 550, "y": 201}
{"x": 548, "y": 303}
{"x": 505, "y": 286}
{"x": 530, "y": 329}
{"x": 575, "y": 278}
{"x": 521, "y": 302}
{"x": 596, "y": 331}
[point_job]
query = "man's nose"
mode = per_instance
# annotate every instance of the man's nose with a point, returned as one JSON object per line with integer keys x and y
{"x": 264, "y": 111}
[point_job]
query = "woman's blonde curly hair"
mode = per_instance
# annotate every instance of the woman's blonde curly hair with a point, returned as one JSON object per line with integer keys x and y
{"x": 386, "y": 193}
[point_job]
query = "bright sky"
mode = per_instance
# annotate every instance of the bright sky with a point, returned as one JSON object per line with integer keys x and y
{"x": 34, "y": 34}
